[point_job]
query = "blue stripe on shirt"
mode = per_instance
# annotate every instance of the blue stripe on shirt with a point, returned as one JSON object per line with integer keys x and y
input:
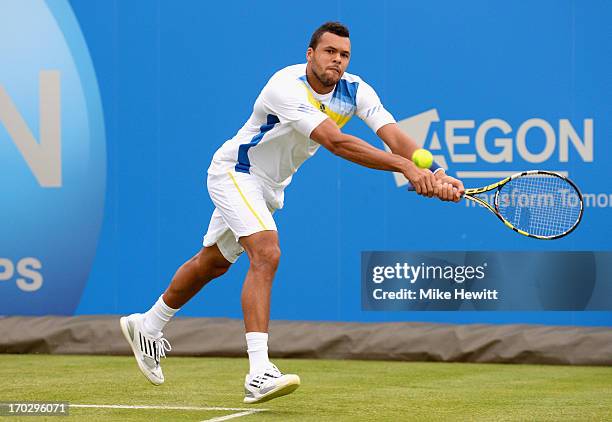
{"x": 346, "y": 92}
{"x": 244, "y": 164}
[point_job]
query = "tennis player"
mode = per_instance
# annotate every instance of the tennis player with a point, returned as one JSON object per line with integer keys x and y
{"x": 301, "y": 108}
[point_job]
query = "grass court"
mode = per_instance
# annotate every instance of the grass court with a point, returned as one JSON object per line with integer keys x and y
{"x": 199, "y": 389}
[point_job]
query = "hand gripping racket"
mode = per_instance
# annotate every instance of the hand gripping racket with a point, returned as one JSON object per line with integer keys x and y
{"x": 536, "y": 203}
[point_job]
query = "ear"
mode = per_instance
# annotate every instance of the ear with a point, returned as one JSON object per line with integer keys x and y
{"x": 309, "y": 54}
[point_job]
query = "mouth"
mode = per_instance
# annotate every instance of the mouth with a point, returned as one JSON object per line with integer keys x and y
{"x": 335, "y": 69}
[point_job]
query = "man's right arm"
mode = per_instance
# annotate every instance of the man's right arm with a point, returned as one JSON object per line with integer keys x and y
{"x": 358, "y": 151}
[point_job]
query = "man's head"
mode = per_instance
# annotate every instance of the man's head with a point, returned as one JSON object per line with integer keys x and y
{"x": 329, "y": 53}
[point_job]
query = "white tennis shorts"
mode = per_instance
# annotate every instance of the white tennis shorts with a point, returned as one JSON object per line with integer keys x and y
{"x": 243, "y": 206}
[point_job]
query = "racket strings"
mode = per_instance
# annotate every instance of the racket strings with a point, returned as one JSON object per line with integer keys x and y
{"x": 540, "y": 204}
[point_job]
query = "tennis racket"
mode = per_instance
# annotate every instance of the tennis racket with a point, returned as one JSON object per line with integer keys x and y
{"x": 536, "y": 203}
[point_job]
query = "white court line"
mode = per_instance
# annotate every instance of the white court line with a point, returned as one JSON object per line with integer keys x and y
{"x": 125, "y": 406}
{"x": 233, "y": 415}
{"x": 241, "y": 410}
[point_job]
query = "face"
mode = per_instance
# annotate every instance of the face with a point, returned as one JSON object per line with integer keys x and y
{"x": 330, "y": 58}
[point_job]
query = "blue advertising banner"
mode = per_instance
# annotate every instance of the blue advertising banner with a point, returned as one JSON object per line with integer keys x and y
{"x": 110, "y": 113}
{"x": 52, "y": 159}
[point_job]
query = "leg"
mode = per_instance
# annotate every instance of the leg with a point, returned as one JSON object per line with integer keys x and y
{"x": 188, "y": 280}
{"x": 264, "y": 381}
{"x": 264, "y": 255}
{"x": 143, "y": 331}
{"x": 194, "y": 274}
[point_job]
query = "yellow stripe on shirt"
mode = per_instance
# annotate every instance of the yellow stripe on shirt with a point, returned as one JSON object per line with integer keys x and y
{"x": 340, "y": 119}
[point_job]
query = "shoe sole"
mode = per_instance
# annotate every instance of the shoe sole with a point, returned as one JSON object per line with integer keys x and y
{"x": 288, "y": 387}
{"x": 123, "y": 323}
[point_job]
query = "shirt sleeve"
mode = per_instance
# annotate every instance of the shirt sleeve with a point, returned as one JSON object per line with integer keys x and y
{"x": 288, "y": 100}
{"x": 370, "y": 109}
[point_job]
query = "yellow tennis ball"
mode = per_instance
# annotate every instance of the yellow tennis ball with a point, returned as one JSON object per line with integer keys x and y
{"x": 422, "y": 158}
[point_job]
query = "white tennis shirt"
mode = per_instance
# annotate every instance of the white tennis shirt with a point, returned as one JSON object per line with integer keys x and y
{"x": 275, "y": 141}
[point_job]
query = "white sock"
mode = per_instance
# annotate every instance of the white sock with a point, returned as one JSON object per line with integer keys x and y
{"x": 257, "y": 347}
{"x": 156, "y": 318}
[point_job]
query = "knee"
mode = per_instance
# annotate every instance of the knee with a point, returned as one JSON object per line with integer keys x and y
{"x": 266, "y": 258}
{"x": 208, "y": 269}
{"x": 219, "y": 269}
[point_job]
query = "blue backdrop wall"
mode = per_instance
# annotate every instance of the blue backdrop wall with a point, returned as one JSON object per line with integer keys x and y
{"x": 97, "y": 216}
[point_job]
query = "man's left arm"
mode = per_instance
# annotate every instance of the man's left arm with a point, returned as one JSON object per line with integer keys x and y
{"x": 402, "y": 144}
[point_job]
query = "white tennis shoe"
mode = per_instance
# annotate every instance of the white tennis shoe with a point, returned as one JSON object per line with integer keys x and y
{"x": 147, "y": 350}
{"x": 268, "y": 385}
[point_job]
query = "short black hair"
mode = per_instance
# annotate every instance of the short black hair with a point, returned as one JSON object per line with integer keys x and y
{"x": 334, "y": 27}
